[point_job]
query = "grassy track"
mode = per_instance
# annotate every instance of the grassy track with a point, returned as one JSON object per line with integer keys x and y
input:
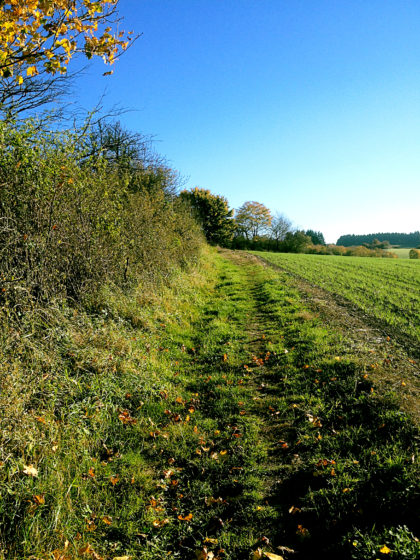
{"x": 383, "y": 288}
{"x": 221, "y": 421}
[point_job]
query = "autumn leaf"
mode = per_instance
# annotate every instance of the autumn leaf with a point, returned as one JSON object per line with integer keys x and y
{"x": 186, "y": 518}
{"x": 384, "y": 550}
{"x": 160, "y": 522}
{"x": 38, "y": 499}
{"x": 272, "y": 556}
{"x": 204, "y": 554}
{"x": 114, "y": 479}
{"x": 31, "y": 71}
{"x": 30, "y": 470}
{"x": 125, "y": 418}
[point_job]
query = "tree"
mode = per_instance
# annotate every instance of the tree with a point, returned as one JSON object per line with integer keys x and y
{"x": 49, "y": 32}
{"x": 296, "y": 242}
{"x": 38, "y": 38}
{"x": 280, "y": 225}
{"x": 213, "y": 213}
{"x": 317, "y": 237}
{"x": 252, "y": 219}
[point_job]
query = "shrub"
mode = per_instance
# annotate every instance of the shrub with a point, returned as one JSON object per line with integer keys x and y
{"x": 69, "y": 223}
{"x": 414, "y": 254}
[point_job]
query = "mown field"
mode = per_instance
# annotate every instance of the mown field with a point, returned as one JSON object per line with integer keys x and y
{"x": 386, "y": 289}
{"x": 401, "y": 253}
{"x": 219, "y": 419}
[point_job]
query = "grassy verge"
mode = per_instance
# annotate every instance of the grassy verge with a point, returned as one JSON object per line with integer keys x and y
{"x": 218, "y": 419}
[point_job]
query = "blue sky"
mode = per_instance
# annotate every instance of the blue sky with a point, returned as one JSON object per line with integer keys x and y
{"x": 310, "y": 107}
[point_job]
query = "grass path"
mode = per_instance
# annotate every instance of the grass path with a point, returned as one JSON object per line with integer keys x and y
{"x": 227, "y": 421}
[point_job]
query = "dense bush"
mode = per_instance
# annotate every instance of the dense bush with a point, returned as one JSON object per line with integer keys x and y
{"x": 414, "y": 254}
{"x": 70, "y": 222}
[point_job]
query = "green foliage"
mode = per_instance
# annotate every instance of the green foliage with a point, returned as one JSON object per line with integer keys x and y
{"x": 69, "y": 221}
{"x": 394, "y": 542}
{"x": 414, "y": 254}
{"x": 295, "y": 242}
{"x": 400, "y": 239}
{"x": 317, "y": 237}
{"x": 213, "y": 213}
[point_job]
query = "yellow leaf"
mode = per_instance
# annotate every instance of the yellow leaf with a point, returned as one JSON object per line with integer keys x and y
{"x": 30, "y": 470}
{"x": 186, "y": 518}
{"x": 272, "y": 556}
{"x": 31, "y": 71}
{"x": 38, "y": 499}
{"x": 122, "y": 558}
{"x": 385, "y": 550}
{"x": 19, "y": 80}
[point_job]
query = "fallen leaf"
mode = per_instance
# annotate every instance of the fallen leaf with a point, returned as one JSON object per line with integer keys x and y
{"x": 30, "y": 470}
{"x": 38, "y": 499}
{"x": 160, "y": 522}
{"x": 186, "y": 518}
{"x": 384, "y": 550}
{"x": 273, "y": 556}
{"x": 204, "y": 554}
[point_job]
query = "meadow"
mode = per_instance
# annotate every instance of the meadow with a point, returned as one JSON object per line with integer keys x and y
{"x": 386, "y": 289}
{"x": 217, "y": 419}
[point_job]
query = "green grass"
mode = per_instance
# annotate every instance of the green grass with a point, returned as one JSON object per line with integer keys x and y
{"x": 383, "y": 288}
{"x": 216, "y": 417}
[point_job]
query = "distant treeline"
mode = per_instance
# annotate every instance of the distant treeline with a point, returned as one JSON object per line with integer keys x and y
{"x": 401, "y": 239}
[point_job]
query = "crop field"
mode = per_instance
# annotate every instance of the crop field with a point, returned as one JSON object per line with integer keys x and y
{"x": 386, "y": 289}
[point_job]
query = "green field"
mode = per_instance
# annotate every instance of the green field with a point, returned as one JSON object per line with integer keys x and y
{"x": 383, "y": 288}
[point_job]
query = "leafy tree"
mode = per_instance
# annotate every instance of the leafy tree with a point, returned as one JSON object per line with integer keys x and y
{"x": 316, "y": 236}
{"x": 46, "y": 34}
{"x": 252, "y": 219}
{"x": 296, "y": 242}
{"x": 38, "y": 38}
{"x": 213, "y": 213}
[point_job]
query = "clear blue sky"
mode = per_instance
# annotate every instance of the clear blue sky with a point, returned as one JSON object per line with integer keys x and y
{"x": 310, "y": 107}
